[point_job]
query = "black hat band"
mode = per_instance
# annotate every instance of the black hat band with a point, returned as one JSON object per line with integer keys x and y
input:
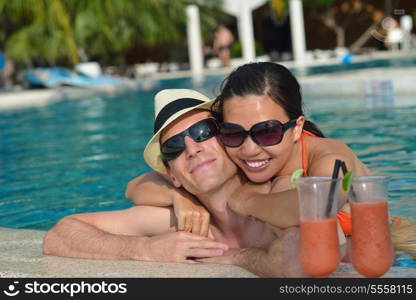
{"x": 172, "y": 108}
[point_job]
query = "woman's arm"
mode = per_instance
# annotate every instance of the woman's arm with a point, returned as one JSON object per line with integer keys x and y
{"x": 280, "y": 208}
{"x": 156, "y": 190}
{"x": 152, "y": 189}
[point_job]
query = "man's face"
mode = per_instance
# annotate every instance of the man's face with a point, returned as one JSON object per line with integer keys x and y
{"x": 202, "y": 167}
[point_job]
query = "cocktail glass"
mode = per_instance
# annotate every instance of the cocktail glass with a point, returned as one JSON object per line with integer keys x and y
{"x": 319, "y": 246}
{"x": 371, "y": 249}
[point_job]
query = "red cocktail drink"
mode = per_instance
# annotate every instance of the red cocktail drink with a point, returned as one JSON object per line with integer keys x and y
{"x": 319, "y": 247}
{"x": 371, "y": 248}
{"x": 372, "y": 251}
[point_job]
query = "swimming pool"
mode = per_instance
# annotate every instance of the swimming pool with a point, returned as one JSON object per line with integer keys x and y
{"x": 77, "y": 156}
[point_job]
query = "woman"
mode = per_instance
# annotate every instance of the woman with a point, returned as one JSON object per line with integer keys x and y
{"x": 265, "y": 133}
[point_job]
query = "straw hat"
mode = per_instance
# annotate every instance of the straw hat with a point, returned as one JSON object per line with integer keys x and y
{"x": 170, "y": 104}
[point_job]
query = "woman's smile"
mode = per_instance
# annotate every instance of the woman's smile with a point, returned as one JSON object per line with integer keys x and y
{"x": 256, "y": 165}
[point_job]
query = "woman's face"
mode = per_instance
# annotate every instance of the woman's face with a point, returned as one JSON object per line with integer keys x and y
{"x": 260, "y": 163}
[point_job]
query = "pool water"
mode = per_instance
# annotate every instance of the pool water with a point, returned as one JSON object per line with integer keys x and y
{"x": 77, "y": 156}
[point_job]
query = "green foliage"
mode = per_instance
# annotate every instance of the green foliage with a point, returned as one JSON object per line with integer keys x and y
{"x": 36, "y": 30}
{"x": 53, "y": 30}
{"x": 414, "y": 16}
{"x": 319, "y": 2}
{"x": 236, "y": 50}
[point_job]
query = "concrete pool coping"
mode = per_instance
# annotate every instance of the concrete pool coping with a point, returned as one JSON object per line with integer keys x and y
{"x": 40, "y": 97}
{"x": 354, "y": 83}
{"x": 21, "y": 256}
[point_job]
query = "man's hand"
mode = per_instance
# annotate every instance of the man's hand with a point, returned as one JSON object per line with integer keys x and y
{"x": 191, "y": 215}
{"x": 182, "y": 247}
{"x": 239, "y": 199}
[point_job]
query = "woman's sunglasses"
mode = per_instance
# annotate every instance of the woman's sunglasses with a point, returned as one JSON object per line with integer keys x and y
{"x": 199, "y": 132}
{"x": 266, "y": 133}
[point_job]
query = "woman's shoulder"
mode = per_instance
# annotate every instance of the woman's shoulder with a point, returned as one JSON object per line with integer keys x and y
{"x": 323, "y": 147}
{"x": 325, "y": 151}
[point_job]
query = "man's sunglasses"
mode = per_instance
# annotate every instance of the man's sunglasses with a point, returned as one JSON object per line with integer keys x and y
{"x": 266, "y": 133}
{"x": 199, "y": 132}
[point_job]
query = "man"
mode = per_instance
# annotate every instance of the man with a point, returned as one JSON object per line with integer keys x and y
{"x": 184, "y": 146}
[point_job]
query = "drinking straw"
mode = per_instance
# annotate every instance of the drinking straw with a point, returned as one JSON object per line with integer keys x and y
{"x": 344, "y": 168}
{"x": 335, "y": 172}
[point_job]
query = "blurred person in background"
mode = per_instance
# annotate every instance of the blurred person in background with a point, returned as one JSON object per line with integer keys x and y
{"x": 223, "y": 39}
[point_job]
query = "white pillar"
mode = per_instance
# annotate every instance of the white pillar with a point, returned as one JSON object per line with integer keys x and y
{"x": 406, "y": 24}
{"x": 297, "y": 31}
{"x": 246, "y": 33}
{"x": 194, "y": 39}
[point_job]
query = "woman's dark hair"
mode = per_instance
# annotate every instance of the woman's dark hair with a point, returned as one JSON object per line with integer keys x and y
{"x": 265, "y": 78}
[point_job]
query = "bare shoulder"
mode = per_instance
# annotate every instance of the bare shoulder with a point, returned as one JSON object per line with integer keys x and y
{"x": 326, "y": 146}
{"x": 326, "y": 151}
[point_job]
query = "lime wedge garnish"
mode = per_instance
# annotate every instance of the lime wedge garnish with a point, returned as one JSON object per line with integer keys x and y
{"x": 294, "y": 178}
{"x": 346, "y": 181}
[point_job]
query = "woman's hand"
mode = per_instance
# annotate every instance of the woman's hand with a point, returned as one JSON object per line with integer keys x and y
{"x": 191, "y": 214}
{"x": 239, "y": 201}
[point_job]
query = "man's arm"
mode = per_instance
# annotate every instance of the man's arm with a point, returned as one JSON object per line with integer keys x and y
{"x": 72, "y": 237}
{"x": 138, "y": 233}
{"x": 281, "y": 259}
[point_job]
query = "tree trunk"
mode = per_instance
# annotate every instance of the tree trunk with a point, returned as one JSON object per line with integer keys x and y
{"x": 329, "y": 20}
{"x": 340, "y": 32}
{"x": 363, "y": 38}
